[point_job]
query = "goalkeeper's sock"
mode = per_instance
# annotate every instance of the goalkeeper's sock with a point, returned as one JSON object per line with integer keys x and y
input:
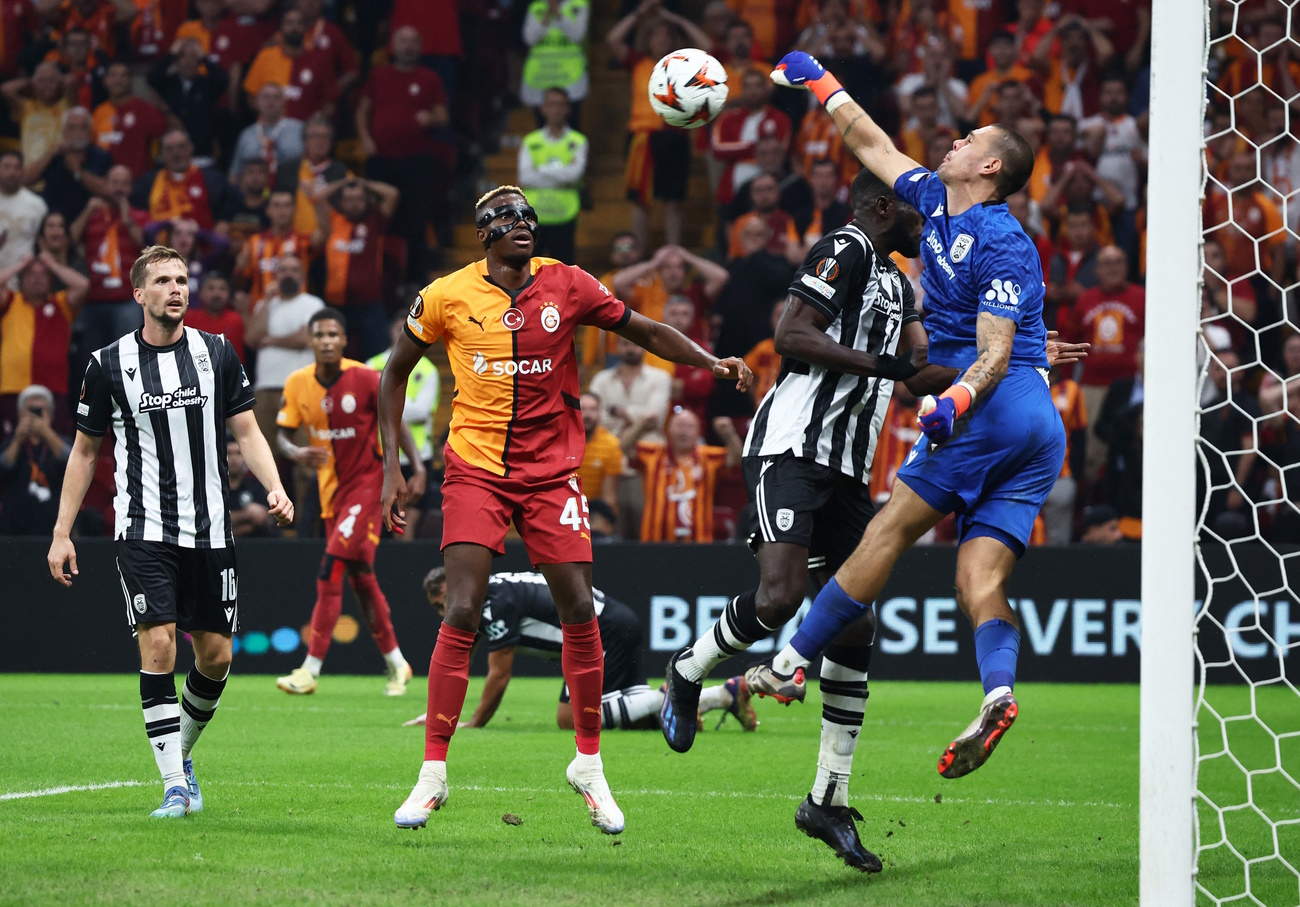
{"x": 625, "y": 708}
{"x": 199, "y": 700}
{"x": 162, "y": 725}
{"x": 997, "y": 646}
{"x": 582, "y": 660}
{"x": 832, "y": 611}
{"x": 448, "y": 679}
{"x": 735, "y": 631}
{"x": 374, "y": 608}
{"x": 329, "y": 604}
{"x": 844, "y": 701}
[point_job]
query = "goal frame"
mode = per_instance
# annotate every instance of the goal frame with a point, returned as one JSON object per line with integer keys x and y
{"x": 1179, "y": 35}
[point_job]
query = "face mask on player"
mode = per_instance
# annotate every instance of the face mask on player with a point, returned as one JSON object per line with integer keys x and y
{"x": 519, "y": 214}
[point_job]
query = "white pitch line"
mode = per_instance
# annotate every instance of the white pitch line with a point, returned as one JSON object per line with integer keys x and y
{"x": 68, "y": 789}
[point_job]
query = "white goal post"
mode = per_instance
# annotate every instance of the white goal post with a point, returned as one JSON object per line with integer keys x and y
{"x": 1167, "y": 790}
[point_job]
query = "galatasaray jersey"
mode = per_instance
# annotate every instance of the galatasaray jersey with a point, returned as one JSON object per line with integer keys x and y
{"x": 342, "y": 418}
{"x": 515, "y": 412}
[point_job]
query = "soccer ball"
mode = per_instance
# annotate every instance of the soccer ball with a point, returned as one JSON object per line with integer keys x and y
{"x": 688, "y": 88}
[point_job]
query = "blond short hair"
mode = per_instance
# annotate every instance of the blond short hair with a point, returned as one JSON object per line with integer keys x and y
{"x": 152, "y": 255}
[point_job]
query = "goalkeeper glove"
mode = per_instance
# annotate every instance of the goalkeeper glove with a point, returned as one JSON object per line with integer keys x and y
{"x": 800, "y": 70}
{"x": 936, "y": 417}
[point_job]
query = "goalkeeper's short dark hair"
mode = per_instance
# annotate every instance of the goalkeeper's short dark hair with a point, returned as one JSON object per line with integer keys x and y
{"x": 1017, "y": 159}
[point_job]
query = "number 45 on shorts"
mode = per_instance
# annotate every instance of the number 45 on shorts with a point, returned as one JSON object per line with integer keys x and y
{"x": 571, "y": 517}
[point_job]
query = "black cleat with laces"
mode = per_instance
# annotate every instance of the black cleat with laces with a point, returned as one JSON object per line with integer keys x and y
{"x": 680, "y": 715}
{"x": 834, "y": 826}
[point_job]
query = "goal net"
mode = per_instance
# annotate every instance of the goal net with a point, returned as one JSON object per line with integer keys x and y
{"x": 1246, "y": 742}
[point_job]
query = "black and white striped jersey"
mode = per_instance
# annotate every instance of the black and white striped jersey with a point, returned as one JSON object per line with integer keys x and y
{"x": 519, "y": 611}
{"x": 830, "y": 417}
{"x": 168, "y": 408}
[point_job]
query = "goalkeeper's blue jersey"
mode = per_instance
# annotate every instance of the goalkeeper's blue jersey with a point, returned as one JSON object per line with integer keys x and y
{"x": 977, "y": 261}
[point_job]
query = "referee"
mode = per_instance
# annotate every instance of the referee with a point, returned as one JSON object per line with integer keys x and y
{"x": 169, "y": 393}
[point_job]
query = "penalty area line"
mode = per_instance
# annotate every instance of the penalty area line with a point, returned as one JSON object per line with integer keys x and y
{"x": 67, "y": 789}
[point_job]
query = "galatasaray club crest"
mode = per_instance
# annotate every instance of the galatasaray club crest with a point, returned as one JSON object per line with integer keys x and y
{"x": 550, "y": 318}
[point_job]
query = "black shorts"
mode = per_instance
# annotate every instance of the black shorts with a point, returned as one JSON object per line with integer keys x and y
{"x": 620, "y": 635}
{"x": 804, "y": 503}
{"x": 670, "y": 149}
{"x": 194, "y": 588}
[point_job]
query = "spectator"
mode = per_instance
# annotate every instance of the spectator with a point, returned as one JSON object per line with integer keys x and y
{"x": 20, "y": 22}
{"x": 897, "y": 437}
{"x": 1244, "y": 217}
{"x": 37, "y": 105}
{"x": 595, "y": 346}
{"x": 259, "y": 258}
{"x": 691, "y": 385}
{"x": 74, "y": 169}
{"x": 1072, "y": 79}
{"x": 1283, "y": 396}
{"x": 82, "y": 66}
{"x": 1115, "y": 142}
{"x": 924, "y": 126}
{"x": 865, "y": 77}
{"x": 824, "y": 211}
{"x": 306, "y": 176}
{"x": 1118, "y": 431}
{"x": 680, "y": 477}
{"x": 987, "y": 86}
{"x": 110, "y": 231}
{"x": 422, "y": 391}
{"x": 212, "y": 14}
{"x": 21, "y": 212}
{"x": 437, "y": 22}
{"x": 1228, "y": 424}
{"x": 556, "y": 34}
{"x": 126, "y": 126}
{"x": 763, "y": 359}
{"x": 1080, "y": 186}
{"x": 831, "y": 15}
{"x": 99, "y": 18}
{"x": 35, "y": 333}
{"x": 1029, "y": 28}
{"x": 357, "y": 212}
{"x": 1268, "y": 61}
{"x": 1024, "y": 210}
{"x": 632, "y": 392}
{"x": 216, "y": 314}
{"x": 190, "y": 89}
{"x": 248, "y": 511}
{"x": 738, "y": 54}
{"x": 715, "y": 19}
{"x": 277, "y": 329}
{"x": 658, "y": 158}
{"x": 770, "y": 154}
{"x": 180, "y": 187}
{"x": 819, "y": 139}
{"x": 773, "y": 24}
{"x": 1074, "y": 265}
{"x": 1100, "y": 526}
{"x": 603, "y": 461}
{"x": 755, "y": 279}
{"x": 243, "y": 213}
{"x": 203, "y": 250}
{"x": 52, "y": 237}
{"x": 737, "y": 130}
{"x": 399, "y": 108}
{"x": 32, "y": 460}
{"x": 1060, "y": 149}
{"x": 783, "y": 237}
{"x": 936, "y": 73}
{"x": 552, "y": 165}
{"x": 1230, "y": 308}
{"x": 323, "y": 36}
{"x": 1058, "y": 509}
{"x": 273, "y": 138}
{"x": 307, "y": 74}
{"x": 646, "y": 286}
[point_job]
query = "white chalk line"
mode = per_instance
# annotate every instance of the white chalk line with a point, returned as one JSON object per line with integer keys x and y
{"x": 67, "y": 789}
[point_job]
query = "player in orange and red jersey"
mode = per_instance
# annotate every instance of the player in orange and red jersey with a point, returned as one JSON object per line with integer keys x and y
{"x": 515, "y": 446}
{"x": 337, "y": 400}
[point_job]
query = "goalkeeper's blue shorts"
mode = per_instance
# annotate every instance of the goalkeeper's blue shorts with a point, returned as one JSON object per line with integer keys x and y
{"x": 996, "y": 472}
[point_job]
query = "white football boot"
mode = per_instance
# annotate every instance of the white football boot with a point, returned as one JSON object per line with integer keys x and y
{"x": 586, "y": 775}
{"x": 429, "y": 794}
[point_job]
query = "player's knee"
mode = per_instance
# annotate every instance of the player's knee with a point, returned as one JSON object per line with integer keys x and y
{"x": 358, "y": 569}
{"x": 977, "y": 591}
{"x": 779, "y": 597}
{"x": 462, "y": 614}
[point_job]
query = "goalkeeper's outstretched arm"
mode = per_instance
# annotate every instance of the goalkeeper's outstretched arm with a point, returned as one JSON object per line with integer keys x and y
{"x": 871, "y": 144}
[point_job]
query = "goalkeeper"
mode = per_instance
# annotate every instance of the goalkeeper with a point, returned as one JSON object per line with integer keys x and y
{"x": 992, "y": 445}
{"x": 519, "y": 613}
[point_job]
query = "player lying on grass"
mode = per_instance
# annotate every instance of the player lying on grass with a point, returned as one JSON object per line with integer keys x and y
{"x": 519, "y": 614}
{"x": 514, "y": 448}
{"x": 992, "y": 445}
{"x": 170, "y": 393}
{"x": 848, "y": 332}
{"x": 337, "y": 399}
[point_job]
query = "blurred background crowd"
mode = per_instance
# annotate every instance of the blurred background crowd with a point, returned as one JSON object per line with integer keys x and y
{"x": 304, "y": 153}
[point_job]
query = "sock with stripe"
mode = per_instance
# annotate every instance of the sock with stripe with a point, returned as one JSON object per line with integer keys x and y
{"x": 997, "y": 646}
{"x": 735, "y": 631}
{"x": 624, "y": 708}
{"x": 329, "y": 605}
{"x": 162, "y": 725}
{"x": 448, "y": 680}
{"x": 374, "y": 607}
{"x": 199, "y": 700}
{"x": 833, "y": 609}
{"x": 844, "y": 701}
{"x": 582, "y": 659}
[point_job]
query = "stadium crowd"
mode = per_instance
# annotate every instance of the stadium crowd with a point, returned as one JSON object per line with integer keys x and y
{"x": 304, "y": 153}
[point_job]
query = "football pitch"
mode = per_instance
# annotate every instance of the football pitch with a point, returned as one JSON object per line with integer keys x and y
{"x": 299, "y": 795}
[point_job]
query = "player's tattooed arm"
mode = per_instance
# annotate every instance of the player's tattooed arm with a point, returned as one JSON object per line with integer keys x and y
{"x": 993, "y": 339}
{"x": 870, "y": 144}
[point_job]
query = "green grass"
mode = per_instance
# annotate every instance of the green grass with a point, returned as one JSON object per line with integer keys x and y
{"x": 300, "y": 794}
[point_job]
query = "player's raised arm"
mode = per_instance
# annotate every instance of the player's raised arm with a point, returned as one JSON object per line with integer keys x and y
{"x": 669, "y": 343}
{"x": 392, "y": 400}
{"x": 871, "y": 144}
{"x": 76, "y": 481}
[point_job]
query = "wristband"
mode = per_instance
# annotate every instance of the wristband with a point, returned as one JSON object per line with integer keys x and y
{"x": 825, "y": 87}
{"x": 894, "y": 368}
{"x": 962, "y": 396}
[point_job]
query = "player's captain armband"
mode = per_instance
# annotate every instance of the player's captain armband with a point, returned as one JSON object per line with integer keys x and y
{"x": 818, "y": 285}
